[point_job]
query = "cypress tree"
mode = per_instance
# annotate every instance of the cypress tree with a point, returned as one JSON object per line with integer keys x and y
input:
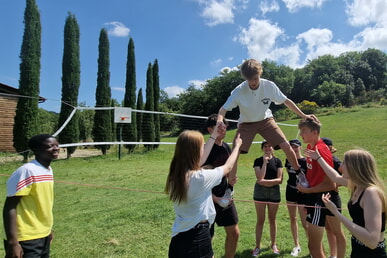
{"x": 25, "y": 121}
{"x": 71, "y": 72}
{"x": 148, "y": 126}
{"x": 130, "y": 130}
{"x": 140, "y": 106}
{"x": 102, "y": 130}
{"x": 156, "y": 96}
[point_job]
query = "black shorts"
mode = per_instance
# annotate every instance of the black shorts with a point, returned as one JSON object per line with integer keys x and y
{"x": 316, "y": 210}
{"x": 225, "y": 216}
{"x": 34, "y": 248}
{"x": 266, "y": 193}
{"x": 359, "y": 250}
{"x": 193, "y": 243}
{"x": 293, "y": 195}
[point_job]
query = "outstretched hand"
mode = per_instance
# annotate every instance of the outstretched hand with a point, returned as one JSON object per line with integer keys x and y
{"x": 313, "y": 154}
{"x": 312, "y": 117}
{"x": 326, "y": 198}
{"x": 238, "y": 140}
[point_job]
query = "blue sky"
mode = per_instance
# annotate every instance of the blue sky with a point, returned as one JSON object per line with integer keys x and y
{"x": 193, "y": 40}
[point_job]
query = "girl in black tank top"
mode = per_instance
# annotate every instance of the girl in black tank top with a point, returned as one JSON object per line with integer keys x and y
{"x": 359, "y": 168}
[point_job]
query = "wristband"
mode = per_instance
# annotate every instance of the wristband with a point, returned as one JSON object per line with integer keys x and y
{"x": 319, "y": 157}
{"x": 212, "y": 138}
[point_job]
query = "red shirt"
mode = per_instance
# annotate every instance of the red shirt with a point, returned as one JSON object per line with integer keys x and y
{"x": 316, "y": 174}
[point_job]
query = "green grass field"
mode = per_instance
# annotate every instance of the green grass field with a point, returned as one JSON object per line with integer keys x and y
{"x": 105, "y": 207}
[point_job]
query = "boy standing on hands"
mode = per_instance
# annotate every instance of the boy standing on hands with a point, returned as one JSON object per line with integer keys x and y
{"x": 319, "y": 184}
{"x": 253, "y": 97}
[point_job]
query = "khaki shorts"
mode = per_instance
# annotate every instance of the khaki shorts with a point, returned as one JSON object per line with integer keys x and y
{"x": 268, "y": 129}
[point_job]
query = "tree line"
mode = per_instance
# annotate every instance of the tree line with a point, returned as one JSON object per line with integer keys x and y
{"x": 352, "y": 78}
{"x": 97, "y": 125}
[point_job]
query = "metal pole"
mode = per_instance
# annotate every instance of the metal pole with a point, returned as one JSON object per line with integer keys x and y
{"x": 120, "y": 145}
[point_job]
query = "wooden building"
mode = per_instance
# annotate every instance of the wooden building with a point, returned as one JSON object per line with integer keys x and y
{"x": 8, "y": 102}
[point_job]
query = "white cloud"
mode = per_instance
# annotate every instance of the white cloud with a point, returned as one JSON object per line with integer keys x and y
{"x": 287, "y": 55}
{"x": 319, "y": 42}
{"x": 217, "y": 12}
{"x": 229, "y": 69}
{"x": 267, "y": 7}
{"x": 371, "y": 13}
{"x": 173, "y": 91}
{"x": 315, "y": 38}
{"x": 117, "y": 29}
{"x": 118, "y": 89}
{"x": 295, "y": 5}
{"x": 217, "y": 62}
{"x": 197, "y": 83}
{"x": 259, "y": 37}
{"x": 365, "y": 12}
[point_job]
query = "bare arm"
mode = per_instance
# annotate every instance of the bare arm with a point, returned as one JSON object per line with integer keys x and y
{"x": 371, "y": 203}
{"x": 221, "y": 114}
{"x": 208, "y": 145}
{"x": 329, "y": 171}
{"x": 275, "y": 181}
{"x": 227, "y": 167}
{"x": 9, "y": 219}
{"x": 324, "y": 186}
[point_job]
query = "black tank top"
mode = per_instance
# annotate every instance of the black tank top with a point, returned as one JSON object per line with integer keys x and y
{"x": 357, "y": 213}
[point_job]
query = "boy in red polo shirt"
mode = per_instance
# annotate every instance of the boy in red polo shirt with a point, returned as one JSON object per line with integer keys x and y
{"x": 319, "y": 184}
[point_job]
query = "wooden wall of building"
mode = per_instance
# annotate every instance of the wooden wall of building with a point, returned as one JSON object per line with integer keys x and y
{"x": 7, "y": 114}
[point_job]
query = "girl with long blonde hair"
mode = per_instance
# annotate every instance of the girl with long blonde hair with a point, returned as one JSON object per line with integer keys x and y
{"x": 367, "y": 205}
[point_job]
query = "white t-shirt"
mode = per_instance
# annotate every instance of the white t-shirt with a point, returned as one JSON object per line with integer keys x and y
{"x": 254, "y": 104}
{"x": 199, "y": 205}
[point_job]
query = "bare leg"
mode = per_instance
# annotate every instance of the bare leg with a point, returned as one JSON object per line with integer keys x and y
{"x": 272, "y": 211}
{"x": 260, "y": 209}
{"x": 315, "y": 236}
{"x": 331, "y": 239}
{"x": 292, "y": 209}
{"x": 232, "y": 235}
{"x": 341, "y": 242}
{"x": 302, "y": 212}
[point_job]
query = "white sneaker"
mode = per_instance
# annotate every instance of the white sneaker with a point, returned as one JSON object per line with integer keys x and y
{"x": 226, "y": 199}
{"x": 296, "y": 250}
{"x": 255, "y": 252}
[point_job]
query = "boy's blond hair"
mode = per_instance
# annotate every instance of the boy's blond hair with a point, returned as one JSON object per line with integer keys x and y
{"x": 310, "y": 123}
{"x": 251, "y": 68}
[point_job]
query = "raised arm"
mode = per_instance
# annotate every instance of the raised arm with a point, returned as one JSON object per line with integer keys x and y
{"x": 227, "y": 167}
{"x": 221, "y": 114}
{"x": 209, "y": 144}
{"x": 329, "y": 171}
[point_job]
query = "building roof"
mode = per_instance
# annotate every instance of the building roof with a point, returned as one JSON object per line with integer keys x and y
{"x": 13, "y": 92}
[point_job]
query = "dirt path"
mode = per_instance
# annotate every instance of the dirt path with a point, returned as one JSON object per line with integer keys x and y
{"x": 79, "y": 153}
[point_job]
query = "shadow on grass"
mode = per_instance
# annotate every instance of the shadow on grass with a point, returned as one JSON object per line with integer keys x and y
{"x": 266, "y": 253}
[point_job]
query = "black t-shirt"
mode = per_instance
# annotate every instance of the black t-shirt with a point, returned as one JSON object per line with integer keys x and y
{"x": 271, "y": 167}
{"x": 217, "y": 157}
{"x": 292, "y": 181}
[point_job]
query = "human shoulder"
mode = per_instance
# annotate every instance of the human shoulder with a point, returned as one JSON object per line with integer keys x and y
{"x": 371, "y": 193}
{"x": 240, "y": 88}
{"x": 371, "y": 200}
{"x": 266, "y": 82}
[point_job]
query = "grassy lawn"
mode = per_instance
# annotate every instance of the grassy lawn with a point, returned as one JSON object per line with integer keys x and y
{"x": 105, "y": 207}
